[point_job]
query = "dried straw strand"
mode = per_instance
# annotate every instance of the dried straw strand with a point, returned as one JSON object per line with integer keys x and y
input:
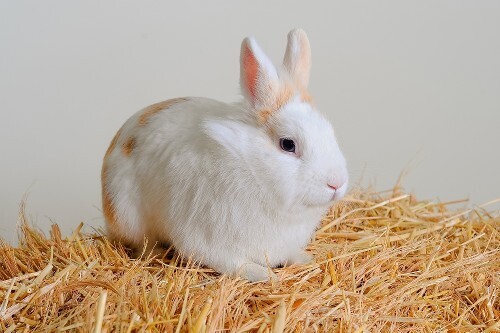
{"x": 383, "y": 262}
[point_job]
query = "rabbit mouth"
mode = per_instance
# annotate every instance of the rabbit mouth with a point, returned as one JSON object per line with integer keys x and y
{"x": 336, "y": 196}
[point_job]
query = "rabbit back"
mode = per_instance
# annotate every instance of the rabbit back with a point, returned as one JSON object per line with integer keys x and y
{"x": 134, "y": 167}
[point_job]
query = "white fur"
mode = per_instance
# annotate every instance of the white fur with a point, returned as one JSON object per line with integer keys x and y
{"x": 210, "y": 179}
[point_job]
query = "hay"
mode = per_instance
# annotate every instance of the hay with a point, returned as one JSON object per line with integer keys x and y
{"x": 383, "y": 262}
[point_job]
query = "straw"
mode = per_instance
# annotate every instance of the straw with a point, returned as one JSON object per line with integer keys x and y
{"x": 383, "y": 262}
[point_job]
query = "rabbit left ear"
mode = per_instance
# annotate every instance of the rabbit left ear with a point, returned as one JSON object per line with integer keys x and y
{"x": 297, "y": 60}
{"x": 258, "y": 76}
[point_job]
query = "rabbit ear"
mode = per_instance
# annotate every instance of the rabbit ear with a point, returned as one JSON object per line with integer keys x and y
{"x": 258, "y": 76}
{"x": 297, "y": 60}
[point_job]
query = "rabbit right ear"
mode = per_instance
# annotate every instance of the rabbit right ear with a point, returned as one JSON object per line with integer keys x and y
{"x": 297, "y": 59}
{"x": 258, "y": 76}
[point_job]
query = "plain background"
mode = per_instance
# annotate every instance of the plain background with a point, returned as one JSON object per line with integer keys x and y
{"x": 411, "y": 85}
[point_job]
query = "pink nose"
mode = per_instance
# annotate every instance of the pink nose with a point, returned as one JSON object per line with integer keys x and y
{"x": 333, "y": 187}
{"x": 336, "y": 184}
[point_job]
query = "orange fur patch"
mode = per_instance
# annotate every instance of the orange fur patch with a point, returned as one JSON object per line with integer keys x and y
{"x": 113, "y": 143}
{"x": 107, "y": 205}
{"x": 155, "y": 108}
{"x": 284, "y": 95}
{"x": 264, "y": 114}
{"x": 128, "y": 146}
{"x": 306, "y": 97}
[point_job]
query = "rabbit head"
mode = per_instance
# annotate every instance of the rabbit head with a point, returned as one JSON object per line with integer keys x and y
{"x": 287, "y": 145}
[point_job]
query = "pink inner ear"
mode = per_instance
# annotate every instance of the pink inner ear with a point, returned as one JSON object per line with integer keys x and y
{"x": 251, "y": 70}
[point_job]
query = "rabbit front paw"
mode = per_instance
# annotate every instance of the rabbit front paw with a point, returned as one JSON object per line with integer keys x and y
{"x": 255, "y": 273}
{"x": 300, "y": 257}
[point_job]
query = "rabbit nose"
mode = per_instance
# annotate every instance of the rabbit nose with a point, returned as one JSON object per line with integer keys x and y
{"x": 333, "y": 187}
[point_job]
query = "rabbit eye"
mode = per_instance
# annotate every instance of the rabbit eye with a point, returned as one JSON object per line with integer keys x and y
{"x": 287, "y": 145}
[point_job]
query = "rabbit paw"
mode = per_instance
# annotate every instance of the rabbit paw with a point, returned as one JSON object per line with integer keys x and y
{"x": 300, "y": 257}
{"x": 255, "y": 273}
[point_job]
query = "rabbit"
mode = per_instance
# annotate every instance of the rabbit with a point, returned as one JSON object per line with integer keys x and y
{"x": 238, "y": 187}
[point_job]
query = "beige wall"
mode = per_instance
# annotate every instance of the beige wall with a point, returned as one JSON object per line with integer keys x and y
{"x": 413, "y": 85}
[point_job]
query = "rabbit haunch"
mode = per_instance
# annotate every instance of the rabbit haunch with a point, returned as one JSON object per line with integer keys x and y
{"x": 214, "y": 180}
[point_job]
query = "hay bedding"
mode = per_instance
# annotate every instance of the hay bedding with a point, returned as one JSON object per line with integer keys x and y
{"x": 383, "y": 263}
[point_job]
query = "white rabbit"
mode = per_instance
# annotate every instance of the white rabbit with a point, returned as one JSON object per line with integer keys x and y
{"x": 239, "y": 187}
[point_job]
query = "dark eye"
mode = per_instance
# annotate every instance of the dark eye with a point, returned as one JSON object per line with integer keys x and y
{"x": 287, "y": 145}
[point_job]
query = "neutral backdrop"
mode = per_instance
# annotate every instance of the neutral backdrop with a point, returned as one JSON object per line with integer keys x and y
{"x": 410, "y": 86}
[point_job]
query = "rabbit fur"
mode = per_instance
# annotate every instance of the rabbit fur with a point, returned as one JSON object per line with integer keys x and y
{"x": 214, "y": 180}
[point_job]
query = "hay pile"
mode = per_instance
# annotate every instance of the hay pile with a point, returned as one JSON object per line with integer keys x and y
{"x": 383, "y": 263}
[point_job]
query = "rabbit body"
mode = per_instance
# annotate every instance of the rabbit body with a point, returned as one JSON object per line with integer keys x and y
{"x": 211, "y": 179}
